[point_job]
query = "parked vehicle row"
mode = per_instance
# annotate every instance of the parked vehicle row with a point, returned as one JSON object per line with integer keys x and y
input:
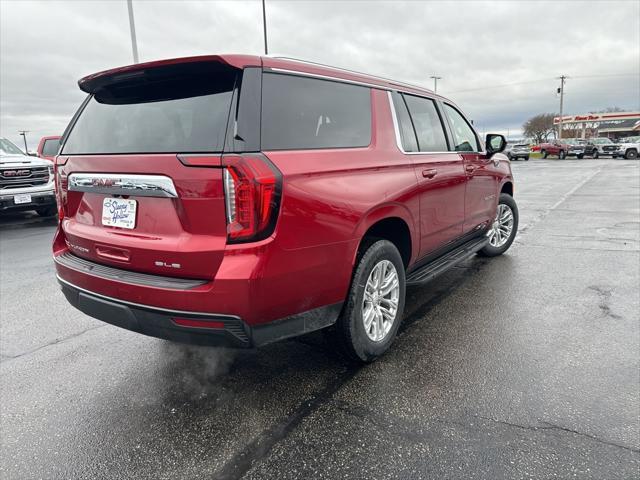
{"x": 593, "y": 147}
{"x": 243, "y": 200}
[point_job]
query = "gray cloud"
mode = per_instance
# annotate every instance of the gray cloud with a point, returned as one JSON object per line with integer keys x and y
{"x": 47, "y": 46}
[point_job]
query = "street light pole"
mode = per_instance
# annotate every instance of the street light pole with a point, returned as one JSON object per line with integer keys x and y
{"x": 435, "y": 83}
{"x": 264, "y": 27}
{"x": 23, "y": 134}
{"x": 132, "y": 27}
{"x": 561, "y": 92}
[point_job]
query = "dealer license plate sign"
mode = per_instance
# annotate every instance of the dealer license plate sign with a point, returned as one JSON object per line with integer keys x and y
{"x": 118, "y": 212}
{"x": 20, "y": 199}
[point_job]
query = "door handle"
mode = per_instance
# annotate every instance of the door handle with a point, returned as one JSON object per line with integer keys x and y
{"x": 429, "y": 173}
{"x": 470, "y": 168}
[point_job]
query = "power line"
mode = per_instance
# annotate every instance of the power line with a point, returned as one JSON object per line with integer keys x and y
{"x": 502, "y": 86}
{"x": 488, "y": 87}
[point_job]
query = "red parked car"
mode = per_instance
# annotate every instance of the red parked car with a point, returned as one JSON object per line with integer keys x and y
{"x": 48, "y": 147}
{"x": 561, "y": 148}
{"x": 240, "y": 200}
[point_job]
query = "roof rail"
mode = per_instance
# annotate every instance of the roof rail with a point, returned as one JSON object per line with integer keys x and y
{"x": 346, "y": 70}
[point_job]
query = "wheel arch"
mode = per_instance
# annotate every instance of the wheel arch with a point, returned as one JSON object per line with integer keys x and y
{"x": 393, "y": 222}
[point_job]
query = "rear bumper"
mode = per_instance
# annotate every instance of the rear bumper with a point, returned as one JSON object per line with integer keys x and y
{"x": 38, "y": 200}
{"x": 213, "y": 329}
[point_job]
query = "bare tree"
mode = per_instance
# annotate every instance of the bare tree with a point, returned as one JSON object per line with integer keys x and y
{"x": 539, "y": 127}
{"x": 609, "y": 110}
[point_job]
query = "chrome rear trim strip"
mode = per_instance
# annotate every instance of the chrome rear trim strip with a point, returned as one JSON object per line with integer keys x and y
{"x": 125, "y": 184}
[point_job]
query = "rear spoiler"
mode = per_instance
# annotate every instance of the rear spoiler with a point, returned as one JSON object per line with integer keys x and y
{"x": 131, "y": 74}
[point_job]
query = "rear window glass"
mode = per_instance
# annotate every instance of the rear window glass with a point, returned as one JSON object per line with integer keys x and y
{"x": 306, "y": 113}
{"x": 50, "y": 147}
{"x": 162, "y": 115}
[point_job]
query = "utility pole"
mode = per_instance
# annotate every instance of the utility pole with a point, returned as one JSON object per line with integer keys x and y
{"x": 562, "y": 79}
{"x": 132, "y": 27}
{"x": 23, "y": 134}
{"x": 264, "y": 27}
{"x": 435, "y": 82}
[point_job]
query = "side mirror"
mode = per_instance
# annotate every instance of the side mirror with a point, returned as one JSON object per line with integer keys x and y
{"x": 495, "y": 143}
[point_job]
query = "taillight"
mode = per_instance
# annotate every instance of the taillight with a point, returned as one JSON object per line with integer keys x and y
{"x": 60, "y": 186}
{"x": 252, "y": 188}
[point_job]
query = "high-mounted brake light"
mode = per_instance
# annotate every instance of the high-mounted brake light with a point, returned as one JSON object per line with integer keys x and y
{"x": 252, "y": 187}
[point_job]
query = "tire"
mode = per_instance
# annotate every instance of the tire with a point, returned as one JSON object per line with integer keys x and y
{"x": 562, "y": 155}
{"x": 580, "y": 157}
{"x": 631, "y": 155}
{"x": 46, "y": 212}
{"x": 350, "y": 332}
{"x": 595, "y": 154}
{"x": 543, "y": 153}
{"x": 493, "y": 249}
{"x": 526, "y": 159}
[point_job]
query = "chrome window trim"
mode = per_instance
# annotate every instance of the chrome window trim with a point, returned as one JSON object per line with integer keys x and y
{"x": 123, "y": 184}
{"x": 396, "y": 129}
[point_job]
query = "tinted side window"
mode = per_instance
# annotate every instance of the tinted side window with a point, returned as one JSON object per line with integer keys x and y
{"x": 407, "y": 133}
{"x": 50, "y": 147}
{"x": 463, "y": 135}
{"x": 431, "y": 137}
{"x": 304, "y": 113}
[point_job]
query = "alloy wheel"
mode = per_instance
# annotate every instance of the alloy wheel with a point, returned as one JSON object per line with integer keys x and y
{"x": 502, "y": 226}
{"x": 380, "y": 302}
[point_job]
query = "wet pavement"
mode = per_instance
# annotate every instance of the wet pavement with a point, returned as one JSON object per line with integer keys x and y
{"x": 522, "y": 366}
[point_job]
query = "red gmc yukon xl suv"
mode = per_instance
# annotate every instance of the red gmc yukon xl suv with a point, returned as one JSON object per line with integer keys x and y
{"x": 239, "y": 200}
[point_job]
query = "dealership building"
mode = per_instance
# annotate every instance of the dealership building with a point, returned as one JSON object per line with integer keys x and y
{"x": 613, "y": 125}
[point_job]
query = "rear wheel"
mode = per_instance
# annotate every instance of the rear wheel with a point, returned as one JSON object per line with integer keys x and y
{"x": 373, "y": 310}
{"x": 46, "y": 212}
{"x": 504, "y": 227}
{"x": 561, "y": 155}
{"x": 595, "y": 154}
{"x": 631, "y": 154}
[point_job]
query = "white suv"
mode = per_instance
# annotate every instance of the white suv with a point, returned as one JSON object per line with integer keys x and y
{"x": 26, "y": 183}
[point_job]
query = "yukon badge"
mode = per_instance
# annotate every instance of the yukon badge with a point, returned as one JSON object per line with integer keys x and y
{"x": 167, "y": 265}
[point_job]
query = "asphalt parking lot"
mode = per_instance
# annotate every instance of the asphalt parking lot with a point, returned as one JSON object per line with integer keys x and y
{"x": 523, "y": 366}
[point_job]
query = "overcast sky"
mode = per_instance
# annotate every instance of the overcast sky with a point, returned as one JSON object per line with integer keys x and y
{"x": 481, "y": 49}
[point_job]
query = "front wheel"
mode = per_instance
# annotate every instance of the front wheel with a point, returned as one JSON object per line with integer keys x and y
{"x": 595, "y": 154}
{"x": 562, "y": 155}
{"x": 631, "y": 155}
{"x": 580, "y": 157}
{"x": 543, "y": 153}
{"x": 526, "y": 158}
{"x": 373, "y": 310}
{"x": 504, "y": 227}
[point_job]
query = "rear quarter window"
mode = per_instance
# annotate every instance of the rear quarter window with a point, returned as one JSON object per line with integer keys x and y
{"x": 305, "y": 113}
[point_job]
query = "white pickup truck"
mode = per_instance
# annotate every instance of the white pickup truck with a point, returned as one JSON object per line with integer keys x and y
{"x": 26, "y": 183}
{"x": 627, "y": 148}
